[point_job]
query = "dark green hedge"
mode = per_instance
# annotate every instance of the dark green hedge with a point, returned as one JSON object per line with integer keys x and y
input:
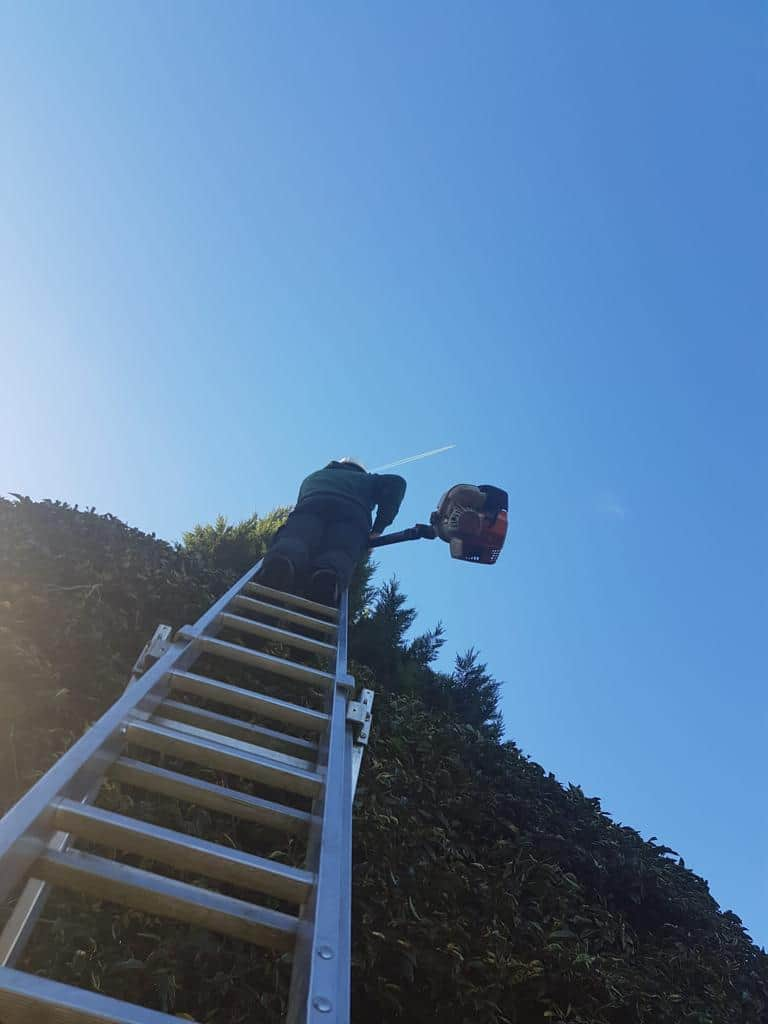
{"x": 485, "y": 892}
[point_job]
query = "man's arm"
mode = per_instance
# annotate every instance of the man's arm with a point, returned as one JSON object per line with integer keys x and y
{"x": 390, "y": 491}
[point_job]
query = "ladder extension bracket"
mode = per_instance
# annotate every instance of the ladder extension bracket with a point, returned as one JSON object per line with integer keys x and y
{"x": 152, "y": 651}
{"x": 360, "y": 713}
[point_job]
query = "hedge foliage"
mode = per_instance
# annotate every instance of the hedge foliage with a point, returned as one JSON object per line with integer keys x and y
{"x": 484, "y": 891}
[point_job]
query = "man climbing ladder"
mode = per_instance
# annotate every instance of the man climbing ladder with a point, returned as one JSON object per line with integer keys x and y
{"x": 330, "y": 528}
{"x": 308, "y": 765}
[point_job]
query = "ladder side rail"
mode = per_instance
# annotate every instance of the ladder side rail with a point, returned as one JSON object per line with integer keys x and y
{"x": 28, "y": 826}
{"x": 32, "y": 899}
{"x": 320, "y": 980}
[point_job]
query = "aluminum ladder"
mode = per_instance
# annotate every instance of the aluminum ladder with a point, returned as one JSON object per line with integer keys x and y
{"x": 38, "y": 835}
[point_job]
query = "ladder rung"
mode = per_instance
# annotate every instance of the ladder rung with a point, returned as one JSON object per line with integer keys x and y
{"x": 234, "y": 727}
{"x": 260, "y": 768}
{"x": 197, "y": 732}
{"x": 282, "y": 636}
{"x": 166, "y": 897}
{"x": 251, "y": 604}
{"x": 187, "y": 853}
{"x": 208, "y": 794}
{"x": 267, "y": 662}
{"x": 30, "y": 999}
{"x": 293, "y": 599}
{"x": 249, "y": 700}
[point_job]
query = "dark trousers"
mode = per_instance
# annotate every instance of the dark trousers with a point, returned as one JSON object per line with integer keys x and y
{"x": 324, "y": 533}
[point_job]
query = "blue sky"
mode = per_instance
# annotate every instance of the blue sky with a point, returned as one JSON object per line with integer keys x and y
{"x": 236, "y": 240}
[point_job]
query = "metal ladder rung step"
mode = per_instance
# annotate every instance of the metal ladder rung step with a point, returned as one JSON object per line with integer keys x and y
{"x": 217, "y": 755}
{"x": 187, "y": 853}
{"x": 267, "y": 662}
{"x": 167, "y": 897}
{"x": 211, "y": 796}
{"x": 197, "y": 732}
{"x": 249, "y": 700}
{"x": 283, "y": 636}
{"x": 30, "y": 999}
{"x": 237, "y": 729}
{"x": 251, "y": 604}
{"x": 294, "y": 600}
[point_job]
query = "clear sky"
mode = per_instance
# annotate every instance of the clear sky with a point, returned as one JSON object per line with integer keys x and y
{"x": 239, "y": 239}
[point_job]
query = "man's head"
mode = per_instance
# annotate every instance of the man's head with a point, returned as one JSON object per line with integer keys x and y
{"x": 350, "y": 462}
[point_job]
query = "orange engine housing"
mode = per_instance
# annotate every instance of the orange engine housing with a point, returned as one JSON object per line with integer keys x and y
{"x": 485, "y": 546}
{"x": 473, "y": 521}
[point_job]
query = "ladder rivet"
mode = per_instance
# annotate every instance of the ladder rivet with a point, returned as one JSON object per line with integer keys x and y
{"x": 325, "y": 953}
{"x": 322, "y": 1004}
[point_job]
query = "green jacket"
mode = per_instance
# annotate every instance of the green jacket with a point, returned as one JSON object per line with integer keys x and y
{"x": 368, "y": 490}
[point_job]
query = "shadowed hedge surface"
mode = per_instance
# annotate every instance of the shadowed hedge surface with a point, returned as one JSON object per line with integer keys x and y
{"x": 484, "y": 891}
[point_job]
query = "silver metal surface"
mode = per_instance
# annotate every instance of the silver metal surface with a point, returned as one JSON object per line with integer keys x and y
{"x": 294, "y": 601}
{"x": 31, "y": 902}
{"x": 167, "y": 897}
{"x": 152, "y": 651}
{"x": 208, "y": 794}
{"x": 185, "y": 852}
{"x": 240, "y": 746}
{"x": 277, "y": 635}
{"x": 30, "y": 999}
{"x": 321, "y": 975}
{"x": 19, "y": 926}
{"x": 237, "y": 729}
{"x": 213, "y": 754}
{"x": 265, "y": 662}
{"x": 26, "y": 828}
{"x": 360, "y": 713}
{"x": 252, "y": 604}
{"x": 248, "y": 700}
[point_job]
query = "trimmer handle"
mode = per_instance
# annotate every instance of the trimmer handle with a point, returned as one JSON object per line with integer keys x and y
{"x": 421, "y": 531}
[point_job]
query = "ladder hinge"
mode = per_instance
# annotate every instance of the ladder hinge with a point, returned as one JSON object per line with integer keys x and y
{"x": 152, "y": 652}
{"x": 359, "y": 712}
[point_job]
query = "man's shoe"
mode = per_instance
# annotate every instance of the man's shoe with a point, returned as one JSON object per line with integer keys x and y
{"x": 277, "y": 572}
{"x": 323, "y": 587}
